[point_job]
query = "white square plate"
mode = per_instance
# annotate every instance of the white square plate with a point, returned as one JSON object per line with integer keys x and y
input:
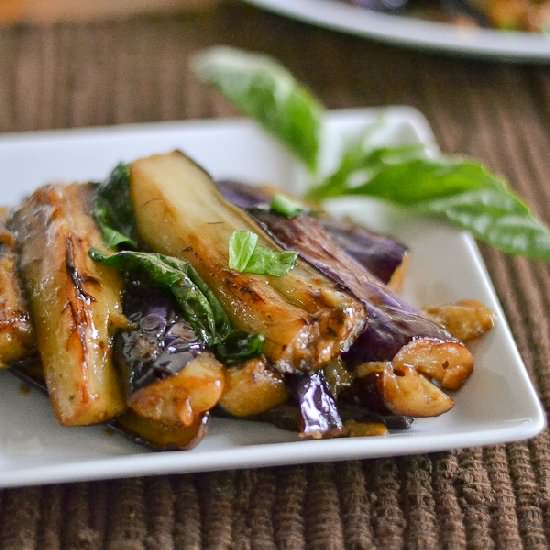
{"x": 497, "y": 404}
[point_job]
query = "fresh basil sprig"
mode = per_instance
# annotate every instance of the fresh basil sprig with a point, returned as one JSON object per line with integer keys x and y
{"x": 247, "y": 256}
{"x": 113, "y": 209}
{"x": 459, "y": 190}
{"x": 199, "y": 306}
{"x": 286, "y": 207}
{"x": 269, "y": 94}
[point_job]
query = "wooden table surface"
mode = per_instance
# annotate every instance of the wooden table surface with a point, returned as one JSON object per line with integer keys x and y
{"x": 71, "y": 75}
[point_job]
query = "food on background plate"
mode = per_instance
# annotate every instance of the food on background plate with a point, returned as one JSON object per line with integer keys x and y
{"x": 158, "y": 303}
{"x": 505, "y": 15}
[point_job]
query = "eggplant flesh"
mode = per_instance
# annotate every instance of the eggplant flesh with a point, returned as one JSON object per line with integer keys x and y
{"x": 252, "y": 389}
{"x": 183, "y": 397}
{"x": 382, "y": 256}
{"x": 305, "y": 318}
{"x": 75, "y": 304}
{"x": 17, "y": 338}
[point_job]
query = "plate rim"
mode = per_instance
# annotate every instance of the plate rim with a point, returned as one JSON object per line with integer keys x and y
{"x": 446, "y": 38}
{"x": 273, "y": 454}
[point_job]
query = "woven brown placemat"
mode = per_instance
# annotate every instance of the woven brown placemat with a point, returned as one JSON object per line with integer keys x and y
{"x": 66, "y": 76}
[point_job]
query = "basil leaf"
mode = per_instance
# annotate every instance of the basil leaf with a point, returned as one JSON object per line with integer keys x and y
{"x": 246, "y": 256}
{"x": 460, "y": 190}
{"x": 199, "y": 306}
{"x": 241, "y": 248}
{"x": 269, "y": 262}
{"x": 285, "y": 207}
{"x": 113, "y": 211}
{"x": 172, "y": 275}
{"x": 240, "y": 346}
{"x": 265, "y": 91}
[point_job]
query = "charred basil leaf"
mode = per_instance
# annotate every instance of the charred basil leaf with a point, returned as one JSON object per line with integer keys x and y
{"x": 198, "y": 304}
{"x": 246, "y": 256}
{"x": 113, "y": 209}
{"x": 286, "y": 207}
{"x": 240, "y": 346}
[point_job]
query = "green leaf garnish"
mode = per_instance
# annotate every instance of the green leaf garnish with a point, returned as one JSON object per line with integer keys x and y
{"x": 269, "y": 262}
{"x": 198, "y": 304}
{"x": 460, "y": 190}
{"x": 247, "y": 256}
{"x": 285, "y": 207}
{"x": 113, "y": 211}
{"x": 241, "y": 248}
{"x": 265, "y": 91}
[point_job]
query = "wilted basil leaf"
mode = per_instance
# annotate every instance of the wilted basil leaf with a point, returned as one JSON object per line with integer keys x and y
{"x": 113, "y": 209}
{"x": 199, "y": 306}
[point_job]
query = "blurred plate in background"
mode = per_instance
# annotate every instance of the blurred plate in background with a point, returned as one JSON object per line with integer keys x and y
{"x": 409, "y": 31}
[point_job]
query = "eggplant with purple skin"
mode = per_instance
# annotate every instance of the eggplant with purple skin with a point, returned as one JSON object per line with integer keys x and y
{"x": 392, "y": 323}
{"x": 318, "y": 412}
{"x": 395, "y": 331}
{"x": 168, "y": 373}
{"x": 306, "y": 319}
{"x": 382, "y": 256}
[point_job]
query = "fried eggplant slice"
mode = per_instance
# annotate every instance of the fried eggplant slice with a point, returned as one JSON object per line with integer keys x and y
{"x": 392, "y": 323}
{"x": 306, "y": 320}
{"x": 252, "y": 389}
{"x": 318, "y": 417}
{"x": 167, "y": 372}
{"x": 357, "y": 421}
{"x": 16, "y": 332}
{"x": 183, "y": 397}
{"x": 311, "y": 408}
{"x": 75, "y": 304}
{"x": 384, "y": 257}
{"x": 143, "y": 431}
